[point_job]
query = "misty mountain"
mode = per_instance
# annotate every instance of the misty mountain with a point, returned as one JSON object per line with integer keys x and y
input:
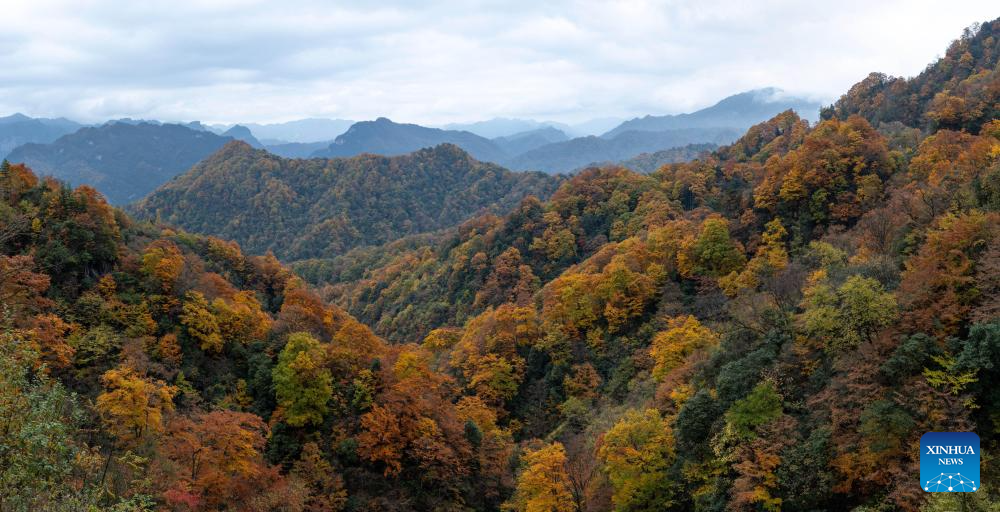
{"x": 20, "y": 129}
{"x": 384, "y": 137}
{"x": 739, "y": 112}
{"x": 240, "y": 132}
{"x": 526, "y": 141}
{"x": 121, "y": 160}
{"x": 579, "y": 152}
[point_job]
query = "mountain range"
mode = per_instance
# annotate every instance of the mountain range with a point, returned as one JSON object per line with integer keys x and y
{"x": 301, "y": 208}
{"x": 128, "y": 158}
{"x": 123, "y": 161}
{"x": 18, "y": 129}
{"x": 580, "y": 152}
{"x": 772, "y": 326}
{"x": 384, "y": 137}
{"x": 544, "y": 147}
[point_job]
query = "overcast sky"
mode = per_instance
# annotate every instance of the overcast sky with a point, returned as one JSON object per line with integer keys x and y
{"x": 449, "y": 61}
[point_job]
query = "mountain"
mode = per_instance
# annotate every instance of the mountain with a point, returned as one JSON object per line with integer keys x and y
{"x": 649, "y": 162}
{"x": 567, "y": 156}
{"x": 129, "y": 332}
{"x": 301, "y": 130}
{"x": 239, "y": 132}
{"x": 123, "y": 161}
{"x": 384, "y": 137}
{"x": 18, "y": 129}
{"x": 308, "y": 208}
{"x": 959, "y": 91}
{"x": 739, "y": 112}
{"x": 525, "y": 141}
{"x": 778, "y": 321}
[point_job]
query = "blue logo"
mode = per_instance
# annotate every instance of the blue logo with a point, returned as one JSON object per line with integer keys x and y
{"x": 949, "y": 462}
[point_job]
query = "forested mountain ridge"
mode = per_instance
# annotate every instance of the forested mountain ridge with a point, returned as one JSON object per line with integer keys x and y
{"x": 145, "y": 369}
{"x": 310, "y": 208}
{"x": 124, "y": 161}
{"x": 960, "y": 91}
{"x": 771, "y": 326}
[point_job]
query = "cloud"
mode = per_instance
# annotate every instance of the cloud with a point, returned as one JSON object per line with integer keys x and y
{"x": 450, "y": 60}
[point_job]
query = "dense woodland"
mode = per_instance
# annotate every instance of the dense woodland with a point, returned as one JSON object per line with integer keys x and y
{"x": 308, "y": 208}
{"x": 770, "y": 327}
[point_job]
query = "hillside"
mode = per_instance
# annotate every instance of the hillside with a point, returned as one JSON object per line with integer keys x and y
{"x": 739, "y": 112}
{"x": 522, "y": 142}
{"x": 384, "y": 137}
{"x": 18, "y": 129}
{"x": 130, "y": 350}
{"x": 122, "y": 161}
{"x": 649, "y": 162}
{"x": 567, "y": 156}
{"x": 308, "y": 208}
{"x": 959, "y": 91}
{"x": 775, "y": 323}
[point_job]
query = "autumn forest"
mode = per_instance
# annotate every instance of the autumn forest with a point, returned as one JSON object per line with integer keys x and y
{"x": 770, "y": 324}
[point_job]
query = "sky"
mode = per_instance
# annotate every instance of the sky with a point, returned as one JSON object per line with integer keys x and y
{"x": 437, "y": 62}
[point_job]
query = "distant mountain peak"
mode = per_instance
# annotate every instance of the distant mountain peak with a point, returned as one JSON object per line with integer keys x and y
{"x": 240, "y": 132}
{"x": 738, "y": 111}
{"x": 385, "y": 137}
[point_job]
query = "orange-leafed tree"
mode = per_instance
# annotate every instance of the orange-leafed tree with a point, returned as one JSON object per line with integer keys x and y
{"x": 543, "y": 484}
{"x": 133, "y": 405}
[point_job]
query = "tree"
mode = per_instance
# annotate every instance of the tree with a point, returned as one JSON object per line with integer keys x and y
{"x": 494, "y": 378}
{"x": 865, "y": 308}
{"x": 301, "y": 382}
{"x": 21, "y": 289}
{"x": 218, "y": 458}
{"x": 769, "y": 259}
{"x": 760, "y": 407}
{"x": 684, "y": 336}
{"x": 163, "y": 262}
{"x": 636, "y": 453}
{"x": 38, "y": 419}
{"x": 939, "y": 287}
{"x": 326, "y": 487}
{"x": 241, "y": 319}
{"x": 201, "y": 322}
{"x": 133, "y": 405}
{"x": 510, "y": 281}
{"x": 842, "y": 319}
{"x": 543, "y": 484}
{"x": 712, "y": 253}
